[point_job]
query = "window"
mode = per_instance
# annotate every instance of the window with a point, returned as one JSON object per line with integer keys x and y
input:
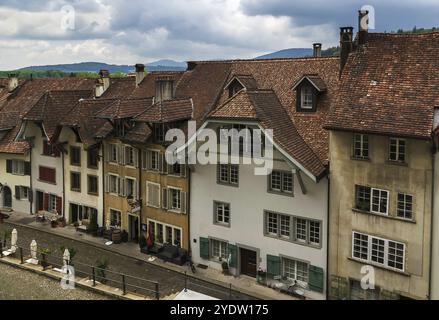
{"x": 281, "y": 182}
{"x": 75, "y": 181}
{"x": 113, "y": 184}
{"x": 174, "y": 199}
{"x": 120, "y": 128}
{"x": 131, "y": 188}
{"x": 113, "y": 153}
{"x": 115, "y": 218}
{"x": 177, "y": 169}
{"x": 219, "y": 249}
{"x": 361, "y": 146}
{"x": 362, "y": 198}
{"x": 21, "y": 193}
{"x": 93, "y": 185}
{"x": 404, "y": 207}
{"x": 153, "y": 195}
{"x": 50, "y": 150}
{"x": 18, "y": 167}
{"x": 380, "y": 201}
{"x": 47, "y": 174}
{"x": 222, "y": 213}
{"x": 177, "y": 237}
{"x": 164, "y": 233}
{"x": 160, "y": 233}
{"x": 130, "y": 156}
{"x": 307, "y": 98}
{"x": 388, "y": 253}
{"x": 169, "y": 235}
{"x": 295, "y": 270}
{"x": 228, "y": 174}
{"x": 75, "y": 156}
{"x": 152, "y": 160}
{"x": 93, "y": 158}
{"x": 52, "y": 203}
{"x": 397, "y": 150}
{"x": 294, "y": 229}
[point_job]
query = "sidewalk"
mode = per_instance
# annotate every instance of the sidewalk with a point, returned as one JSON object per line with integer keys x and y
{"x": 242, "y": 284}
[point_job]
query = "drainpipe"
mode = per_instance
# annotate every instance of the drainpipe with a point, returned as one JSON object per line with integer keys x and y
{"x": 103, "y": 184}
{"x": 63, "y": 187}
{"x": 139, "y": 193}
{"x": 188, "y": 209}
{"x": 327, "y": 235}
{"x": 432, "y": 219}
{"x": 30, "y": 182}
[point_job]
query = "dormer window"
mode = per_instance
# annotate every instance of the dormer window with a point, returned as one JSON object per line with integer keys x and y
{"x": 120, "y": 128}
{"x": 308, "y": 90}
{"x": 234, "y": 88}
{"x": 307, "y": 98}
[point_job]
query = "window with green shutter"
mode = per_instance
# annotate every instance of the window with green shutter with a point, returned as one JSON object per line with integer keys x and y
{"x": 233, "y": 251}
{"x": 204, "y": 248}
{"x": 273, "y": 266}
{"x": 316, "y": 278}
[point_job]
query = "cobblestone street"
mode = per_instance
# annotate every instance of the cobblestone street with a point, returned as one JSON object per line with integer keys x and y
{"x": 170, "y": 282}
{"x": 18, "y": 284}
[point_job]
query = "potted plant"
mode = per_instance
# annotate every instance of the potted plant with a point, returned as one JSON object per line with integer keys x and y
{"x": 54, "y": 223}
{"x": 62, "y": 222}
{"x": 225, "y": 267}
{"x": 44, "y": 253}
{"x": 101, "y": 267}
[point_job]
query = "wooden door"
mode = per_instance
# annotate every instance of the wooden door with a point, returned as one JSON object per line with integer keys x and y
{"x": 248, "y": 262}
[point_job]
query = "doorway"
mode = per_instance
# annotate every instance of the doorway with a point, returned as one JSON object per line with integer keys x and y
{"x": 7, "y": 197}
{"x": 248, "y": 262}
{"x": 40, "y": 201}
{"x": 133, "y": 228}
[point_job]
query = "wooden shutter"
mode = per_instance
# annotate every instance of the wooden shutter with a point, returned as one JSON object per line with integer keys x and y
{"x": 316, "y": 278}
{"x": 46, "y": 202}
{"x": 273, "y": 266}
{"x": 107, "y": 183}
{"x": 122, "y": 187}
{"x": 233, "y": 251}
{"x": 165, "y": 198}
{"x": 204, "y": 248}
{"x": 17, "y": 193}
{"x": 136, "y": 158}
{"x": 121, "y": 154}
{"x": 9, "y": 166}
{"x": 160, "y": 159}
{"x": 27, "y": 168}
{"x": 59, "y": 205}
{"x": 183, "y": 196}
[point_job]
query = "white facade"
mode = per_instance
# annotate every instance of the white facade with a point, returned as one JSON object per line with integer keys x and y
{"x": 81, "y": 198}
{"x": 248, "y": 203}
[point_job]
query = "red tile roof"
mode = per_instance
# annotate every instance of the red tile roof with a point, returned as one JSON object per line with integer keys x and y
{"x": 390, "y": 86}
{"x": 125, "y": 108}
{"x": 168, "y": 111}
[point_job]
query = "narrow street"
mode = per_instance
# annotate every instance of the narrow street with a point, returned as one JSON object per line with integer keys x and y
{"x": 18, "y": 284}
{"x": 170, "y": 282}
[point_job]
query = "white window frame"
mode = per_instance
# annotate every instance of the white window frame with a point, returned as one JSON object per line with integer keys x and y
{"x": 113, "y": 147}
{"x": 380, "y": 191}
{"x": 119, "y": 215}
{"x": 306, "y": 97}
{"x": 229, "y": 174}
{"x": 51, "y": 205}
{"x": 405, "y": 195}
{"x": 171, "y": 199}
{"x": 149, "y": 163}
{"x": 148, "y": 200}
{"x": 116, "y": 177}
{"x": 223, "y": 247}
{"x": 223, "y": 206}
{"x": 18, "y": 167}
{"x": 165, "y": 236}
{"x": 302, "y": 280}
{"x": 134, "y": 180}
{"x": 362, "y": 141}
{"x": 385, "y": 264}
{"x": 398, "y": 151}
{"x": 281, "y": 190}
{"x": 130, "y": 152}
{"x": 24, "y": 192}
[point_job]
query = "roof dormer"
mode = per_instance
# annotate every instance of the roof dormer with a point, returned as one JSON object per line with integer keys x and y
{"x": 308, "y": 90}
{"x": 241, "y": 82}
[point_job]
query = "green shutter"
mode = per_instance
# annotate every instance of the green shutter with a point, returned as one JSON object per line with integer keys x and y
{"x": 316, "y": 278}
{"x": 273, "y": 266}
{"x": 204, "y": 248}
{"x": 233, "y": 251}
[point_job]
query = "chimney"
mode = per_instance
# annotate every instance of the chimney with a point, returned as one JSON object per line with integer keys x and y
{"x": 102, "y": 83}
{"x": 317, "y": 49}
{"x": 13, "y": 82}
{"x": 140, "y": 73}
{"x": 363, "y": 26}
{"x": 164, "y": 89}
{"x": 346, "y": 45}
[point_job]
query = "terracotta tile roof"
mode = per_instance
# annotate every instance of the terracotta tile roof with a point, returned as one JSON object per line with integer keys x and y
{"x": 247, "y": 81}
{"x": 315, "y": 80}
{"x": 390, "y": 86}
{"x": 168, "y": 111}
{"x": 82, "y": 118}
{"x": 146, "y": 88}
{"x": 264, "y": 107}
{"x": 125, "y": 108}
{"x": 51, "y": 108}
{"x": 139, "y": 134}
{"x": 120, "y": 88}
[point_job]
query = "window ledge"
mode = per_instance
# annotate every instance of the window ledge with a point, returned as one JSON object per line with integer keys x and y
{"x": 360, "y": 159}
{"x": 219, "y": 224}
{"x": 397, "y": 163}
{"x": 404, "y": 273}
{"x": 280, "y": 193}
{"x": 293, "y": 242}
{"x": 48, "y": 182}
{"x": 228, "y": 184}
{"x": 93, "y": 194}
{"x": 382, "y": 215}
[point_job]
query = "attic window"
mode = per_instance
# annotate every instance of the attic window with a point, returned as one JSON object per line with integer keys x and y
{"x": 307, "y": 97}
{"x": 234, "y": 88}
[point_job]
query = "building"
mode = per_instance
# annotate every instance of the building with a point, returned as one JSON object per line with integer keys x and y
{"x": 382, "y": 172}
{"x": 269, "y": 225}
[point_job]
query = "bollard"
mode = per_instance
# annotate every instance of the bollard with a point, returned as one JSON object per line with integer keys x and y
{"x": 185, "y": 281}
{"x": 157, "y": 293}
{"x": 94, "y": 276}
{"x": 67, "y": 277}
{"x": 21, "y": 255}
{"x": 43, "y": 261}
{"x": 124, "y": 286}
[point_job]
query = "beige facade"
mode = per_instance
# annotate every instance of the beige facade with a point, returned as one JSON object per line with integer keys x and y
{"x": 414, "y": 178}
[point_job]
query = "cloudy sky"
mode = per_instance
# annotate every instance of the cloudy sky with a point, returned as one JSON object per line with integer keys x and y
{"x": 37, "y": 32}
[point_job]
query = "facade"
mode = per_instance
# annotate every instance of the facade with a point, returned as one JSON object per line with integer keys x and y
{"x": 271, "y": 228}
{"x": 382, "y": 168}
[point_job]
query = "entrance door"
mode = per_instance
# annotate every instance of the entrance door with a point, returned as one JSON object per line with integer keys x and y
{"x": 7, "y": 197}
{"x": 40, "y": 201}
{"x": 248, "y": 262}
{"x": 134, "y": 228}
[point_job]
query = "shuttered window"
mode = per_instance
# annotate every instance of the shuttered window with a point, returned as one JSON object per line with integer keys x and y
{"x": 75, "y": 181}
{"x": 92, "y": 185}
{"x": 75, "y": 156}
{"x": 47, "y": 174}
{"x": 153, "y": 195}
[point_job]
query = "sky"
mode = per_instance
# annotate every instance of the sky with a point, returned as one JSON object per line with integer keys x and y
{"x": 40, "y": 32}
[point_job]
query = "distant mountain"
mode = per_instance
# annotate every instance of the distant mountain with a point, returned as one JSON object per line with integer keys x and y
{"x": 161, "y": 65}
{"x": 288, "y": 53}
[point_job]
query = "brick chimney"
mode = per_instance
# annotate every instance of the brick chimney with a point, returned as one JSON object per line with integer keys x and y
{"x": 140, "y": 73}
{"x": 317, "y": 50}
{"x": 363, "y": 26}
{"x": 13, "y": 82}
{"x": 102, "y": 83}
{"x": 346, "y": 45}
